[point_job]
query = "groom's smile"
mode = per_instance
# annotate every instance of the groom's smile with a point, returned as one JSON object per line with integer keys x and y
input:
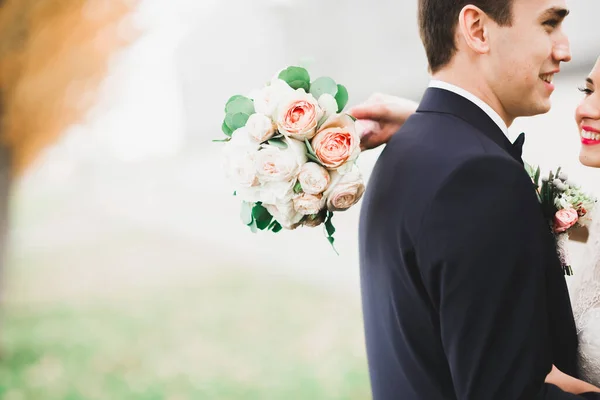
{"x": 547, "y": 79}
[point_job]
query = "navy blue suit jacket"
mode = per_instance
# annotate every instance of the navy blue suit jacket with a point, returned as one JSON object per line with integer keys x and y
{"x": 463, "y": 294}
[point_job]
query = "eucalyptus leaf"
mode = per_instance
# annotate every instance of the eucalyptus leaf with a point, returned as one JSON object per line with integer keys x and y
{"x": 253, "y": 226}
{"x": 226, "y": 130}
{"x": 231, "y": 99}
{"x": 296, "y": 77}
{"x": 221, "y": 140}
{"x": 236, "y": 121}
{"x": 341, "y": 97}
{"x": 323, "y": 85}
{"x": 278, "y": 143}
{"x": 240, "y": 104}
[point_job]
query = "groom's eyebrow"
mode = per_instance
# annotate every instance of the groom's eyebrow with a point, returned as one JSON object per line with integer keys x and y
{"x": 555, "y": 12}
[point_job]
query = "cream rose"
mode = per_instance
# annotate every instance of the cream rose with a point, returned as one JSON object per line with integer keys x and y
{"x": 564, "y": 219}
{"x": 239, "y": 160}
{"x": 260, "y": 127}
{"x": 274, "y": 164}
{"x": 285, "y": 214}
{"x": 267, "y": 100}
{"x": 328, "y": 104}
{"x": 337, "y": 142}
{"x": 344, "y": 190}
{"x": 308, "y": 204}
{"x": 313, "y": 178}
{"x": 298, "y": 115}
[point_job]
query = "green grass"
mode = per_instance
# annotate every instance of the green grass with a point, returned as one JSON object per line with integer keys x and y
{"x": 231, "y": 334}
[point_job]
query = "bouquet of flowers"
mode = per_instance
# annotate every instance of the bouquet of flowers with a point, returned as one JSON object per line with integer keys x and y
{"x": 564, "y": 204}
{"x": 290, "y": 153}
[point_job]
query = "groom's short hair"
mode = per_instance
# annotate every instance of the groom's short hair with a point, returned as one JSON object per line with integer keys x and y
{"x": 438, "y": 20}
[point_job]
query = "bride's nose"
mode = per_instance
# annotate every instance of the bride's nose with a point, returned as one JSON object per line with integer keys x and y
{"x": 589, "y": 108}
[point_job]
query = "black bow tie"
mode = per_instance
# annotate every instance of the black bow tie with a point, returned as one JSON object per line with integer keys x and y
{"x": 517, "y": 146}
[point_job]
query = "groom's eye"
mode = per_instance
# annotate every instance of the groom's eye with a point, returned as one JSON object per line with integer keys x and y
{"x": 552, "y": 23}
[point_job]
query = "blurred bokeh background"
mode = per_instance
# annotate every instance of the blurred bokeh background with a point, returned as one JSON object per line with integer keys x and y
{"x": 128, "y": 273}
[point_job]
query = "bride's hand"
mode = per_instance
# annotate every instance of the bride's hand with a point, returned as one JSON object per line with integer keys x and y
{"x": 569, "y": 384}
{"x": 380, "y": 117}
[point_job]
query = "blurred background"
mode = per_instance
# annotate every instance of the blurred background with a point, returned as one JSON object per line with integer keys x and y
{"x": 128, "y": 273}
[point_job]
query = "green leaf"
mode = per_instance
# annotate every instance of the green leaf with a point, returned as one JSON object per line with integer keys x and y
{"x": 278, "y": 143}
{"x": 226, "y": 130}
{"x": 309, "y": 148}
{"x": 322, "y": 86}
{"x": 262, "y": 217}
{"x": 314, "y": 159}
{"x": 341, "y": 97}
{"x": 330, "y": 229}
{"x": 298, "y": 188}
{"x": 221, "y": 140}
{"x": 275, "y": 226}
{"x": 240, "y": 104}
{"x": 246, "y": 213}
{"x": 235, "y": 193}
{"x": 352, "y": 117}
{"x": 537, "y": 176}
{"x": 253, "y": 226}
{"x": 236, "y": 121}
{"x": 231, "y": 99}
{"x": 296, "y": 77}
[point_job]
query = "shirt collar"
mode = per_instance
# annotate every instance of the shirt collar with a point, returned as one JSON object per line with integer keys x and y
{"x": 474, "y": 99}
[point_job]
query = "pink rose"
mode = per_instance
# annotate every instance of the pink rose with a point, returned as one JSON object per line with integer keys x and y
{"x": 299, "y": 115}
{"x": 345, "y": 190}
{"x": 308, "y": 204}
{"x": 564, "y": 219}
{"x": 337, "y": 142}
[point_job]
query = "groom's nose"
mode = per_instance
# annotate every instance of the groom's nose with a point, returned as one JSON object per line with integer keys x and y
{"x": 562, "y": 50}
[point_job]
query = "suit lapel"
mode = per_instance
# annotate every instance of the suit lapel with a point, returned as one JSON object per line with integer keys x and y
{"x": 446, "y": 102}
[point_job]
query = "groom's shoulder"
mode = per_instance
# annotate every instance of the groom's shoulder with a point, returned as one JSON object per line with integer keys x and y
{"x": 441, "y": 140}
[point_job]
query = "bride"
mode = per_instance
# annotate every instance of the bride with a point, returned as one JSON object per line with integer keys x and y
{"x": 382, "y": 115}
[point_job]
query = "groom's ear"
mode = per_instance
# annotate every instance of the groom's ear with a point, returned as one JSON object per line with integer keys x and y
{"x": 473, "y": 29}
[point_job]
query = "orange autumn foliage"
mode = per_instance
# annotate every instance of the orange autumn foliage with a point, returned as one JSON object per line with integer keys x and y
{"x": 53, "y": 56}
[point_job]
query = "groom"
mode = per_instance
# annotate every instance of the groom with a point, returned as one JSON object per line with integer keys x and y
{"x": 463, "y": 294}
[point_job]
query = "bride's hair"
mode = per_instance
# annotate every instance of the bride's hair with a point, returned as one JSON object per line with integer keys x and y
{"x": 438, "y": 21}
{"x": 53, "y": 54}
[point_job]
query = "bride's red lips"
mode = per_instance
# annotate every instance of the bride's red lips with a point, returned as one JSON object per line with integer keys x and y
{"x": 589, "y": 129}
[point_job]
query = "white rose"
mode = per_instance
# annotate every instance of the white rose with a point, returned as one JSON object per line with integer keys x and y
{"x": 239, "y": 159}
{"x": 344, "y": 190}
{"x": 313, "y": 178}
{"x": 260, "y": 127}
{"x": 298, "y": 115}
{"x": 309, "y": 204}
{"x": 328, "y": 103}
{"x": 285, "y": 214}
{"x": 267, "y": 193}
{"x": 274, "y": 164}
{"x": 268, "y": 98}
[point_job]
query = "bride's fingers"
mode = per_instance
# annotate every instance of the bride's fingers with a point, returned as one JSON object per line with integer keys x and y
{"x": 377, "y": 112}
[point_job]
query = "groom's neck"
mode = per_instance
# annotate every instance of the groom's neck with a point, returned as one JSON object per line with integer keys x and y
{"x": 476, "y": 85}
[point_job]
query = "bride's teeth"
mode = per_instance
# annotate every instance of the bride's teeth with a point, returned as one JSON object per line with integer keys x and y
{"x": 590, "y": 135}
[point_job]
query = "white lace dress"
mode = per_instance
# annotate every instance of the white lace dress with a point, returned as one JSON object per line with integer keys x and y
{"x": 585, "y": 297}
